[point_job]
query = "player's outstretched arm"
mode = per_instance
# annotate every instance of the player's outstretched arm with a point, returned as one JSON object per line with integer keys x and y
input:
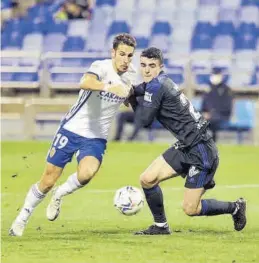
{"x": 90, "y": 82}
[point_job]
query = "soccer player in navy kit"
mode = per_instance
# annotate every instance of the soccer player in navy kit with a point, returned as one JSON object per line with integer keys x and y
{"x": 194, "y": 156}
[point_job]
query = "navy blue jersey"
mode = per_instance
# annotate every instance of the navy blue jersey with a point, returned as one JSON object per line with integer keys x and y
{"x": 163, "y": 100}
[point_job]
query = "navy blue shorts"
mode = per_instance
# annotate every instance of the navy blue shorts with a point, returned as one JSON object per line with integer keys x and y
{"x": 66, "y": 144}
{"x": 197, "y": 164}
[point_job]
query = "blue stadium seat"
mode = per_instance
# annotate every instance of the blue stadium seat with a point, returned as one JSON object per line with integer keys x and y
{"x": 74, "y": 44}
{"x": 246, "y": 36}
{"x": 26, "y": 76}
{"x": 203, "y": 28}
{"x": 118, "y": 27}
{"x": 65, "y": 77}
{"x": 7, "y": 76}
{"x": 201, "y": 41}
{"x": 202, "y": 79}
{"x": 161, "y": 28}
{"x": 105, "y": 2}
{"x": 142, "y": 42}
{"x": 176, "y": 77}
{"x": 244, "y": 115}
{"x": 225, "y": 28}
{"x": 250, "y": 2}
{"x": 57, "y": 27}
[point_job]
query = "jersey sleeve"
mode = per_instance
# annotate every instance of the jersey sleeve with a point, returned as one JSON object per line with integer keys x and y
{"x": 150, "y": 105}
{"x": 153, "y": 95}
{"x": 97, "y": 68}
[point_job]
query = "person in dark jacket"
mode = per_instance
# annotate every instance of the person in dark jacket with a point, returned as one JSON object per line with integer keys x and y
{"x": 217, "y": 103}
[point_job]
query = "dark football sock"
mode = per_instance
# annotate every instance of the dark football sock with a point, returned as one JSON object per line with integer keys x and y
{"x": 154, "y": 197}
{"x": 212, "y": 207}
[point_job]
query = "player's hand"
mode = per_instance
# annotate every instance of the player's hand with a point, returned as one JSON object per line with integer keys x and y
{"x": 121, "y": 91}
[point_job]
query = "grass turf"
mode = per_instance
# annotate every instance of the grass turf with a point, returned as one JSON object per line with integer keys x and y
{"x": 90, "y": 230}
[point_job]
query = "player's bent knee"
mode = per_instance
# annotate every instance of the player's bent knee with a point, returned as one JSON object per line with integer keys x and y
{"x": 86, "y": 174}
{"x": 190, "y": 209}
{"x": 147, "y": 180}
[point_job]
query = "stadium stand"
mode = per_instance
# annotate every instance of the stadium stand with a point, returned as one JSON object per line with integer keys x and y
{"x": 47, "y": 55}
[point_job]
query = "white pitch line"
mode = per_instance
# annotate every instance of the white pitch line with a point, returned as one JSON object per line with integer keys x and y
{"x": 237, "y": 186}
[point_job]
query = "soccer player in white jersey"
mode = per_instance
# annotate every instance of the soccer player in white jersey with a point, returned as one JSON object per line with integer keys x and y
{"x": 84, "y": 130}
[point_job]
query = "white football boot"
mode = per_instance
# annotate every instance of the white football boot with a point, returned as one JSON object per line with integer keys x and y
{"x": 19, "y": 224}
{"x": 54, "y": 207}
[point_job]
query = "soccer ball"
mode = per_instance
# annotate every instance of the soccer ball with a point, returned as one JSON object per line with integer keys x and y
{"x": 128, "y": 200}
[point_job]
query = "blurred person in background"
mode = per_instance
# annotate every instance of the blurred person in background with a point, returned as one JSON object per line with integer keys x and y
{"x": 75, "y": 9}
{"x": 217, "y": 103}
{"x": 123, "y": 118}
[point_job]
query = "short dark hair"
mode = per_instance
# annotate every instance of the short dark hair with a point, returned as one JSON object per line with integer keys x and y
{"x": 125, "y": 39}
{"x": 153, "y": 52}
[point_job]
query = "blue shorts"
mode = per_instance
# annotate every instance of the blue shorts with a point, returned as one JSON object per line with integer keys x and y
{"x": 66, "y": 144}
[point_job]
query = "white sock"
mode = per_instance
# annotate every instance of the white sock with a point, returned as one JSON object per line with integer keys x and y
{"x": 161, "y": 224}
{"x": 32, "y": 199}
{"x": 70, "y": 186}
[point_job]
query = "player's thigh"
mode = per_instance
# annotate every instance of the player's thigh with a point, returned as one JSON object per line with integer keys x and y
{"x": 90, "y": 156}
{"x": 159, "y": 170}
{"x": 191, "y": 200}
{"x": 88, "y": 167}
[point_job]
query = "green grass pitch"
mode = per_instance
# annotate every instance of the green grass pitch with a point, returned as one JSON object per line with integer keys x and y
{"x": 90, "y": 230}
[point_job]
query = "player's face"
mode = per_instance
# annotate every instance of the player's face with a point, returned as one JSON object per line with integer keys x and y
{"x": 122, "y": 56}
{"x": 149, "y": 68}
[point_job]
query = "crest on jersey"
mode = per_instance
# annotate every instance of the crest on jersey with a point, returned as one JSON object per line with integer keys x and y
{"x": 148, "y": 96}
{"x": 193, "y": 171}
{"x": 52, "y": 152}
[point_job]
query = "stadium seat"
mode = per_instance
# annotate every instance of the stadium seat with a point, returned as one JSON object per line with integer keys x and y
{"x": 33, "y": 42}
{"x": 235, "y": 4}
{"x": 142, "y": 42}
{"x": 223, "y": 44}
{"x": 57, "y": 26}
{"x": 250, "y": 3}
{"x": 225, "y": 28}
{"x": 125, "y": 5}
{"x": 188, "y": 5}
{"x": 105, "y": 2}
{"x": 160, "y": 41}
{"x": 74, "y": 44}
{"x": 146, "y": 5}
{"x": 118, "y": 27}
{"x": 78, "y": 27}
{"x": 210, "y": 3}
{"x": 7, "y": 76}
{"x": 141, "y": 26}
{"x": 208, "y": 14}
{"x": 163, "y": 28}
{"x": 65, "y": 77}
{"x": 201, "y": 41}
{"x": 228, "y": 15}
{"x": 96, "y": 43}
{"x": 249, "y": 14}
{"x": 167, "y": 5}
{"x": 26, "y": 76}
{"x": 53, "y": 42}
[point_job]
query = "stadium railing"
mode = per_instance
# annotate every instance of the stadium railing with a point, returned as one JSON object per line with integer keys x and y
{"x": 19, "y": 65}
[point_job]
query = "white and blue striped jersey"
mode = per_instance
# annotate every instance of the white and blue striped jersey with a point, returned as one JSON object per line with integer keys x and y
{"x": 92, "y": 114}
